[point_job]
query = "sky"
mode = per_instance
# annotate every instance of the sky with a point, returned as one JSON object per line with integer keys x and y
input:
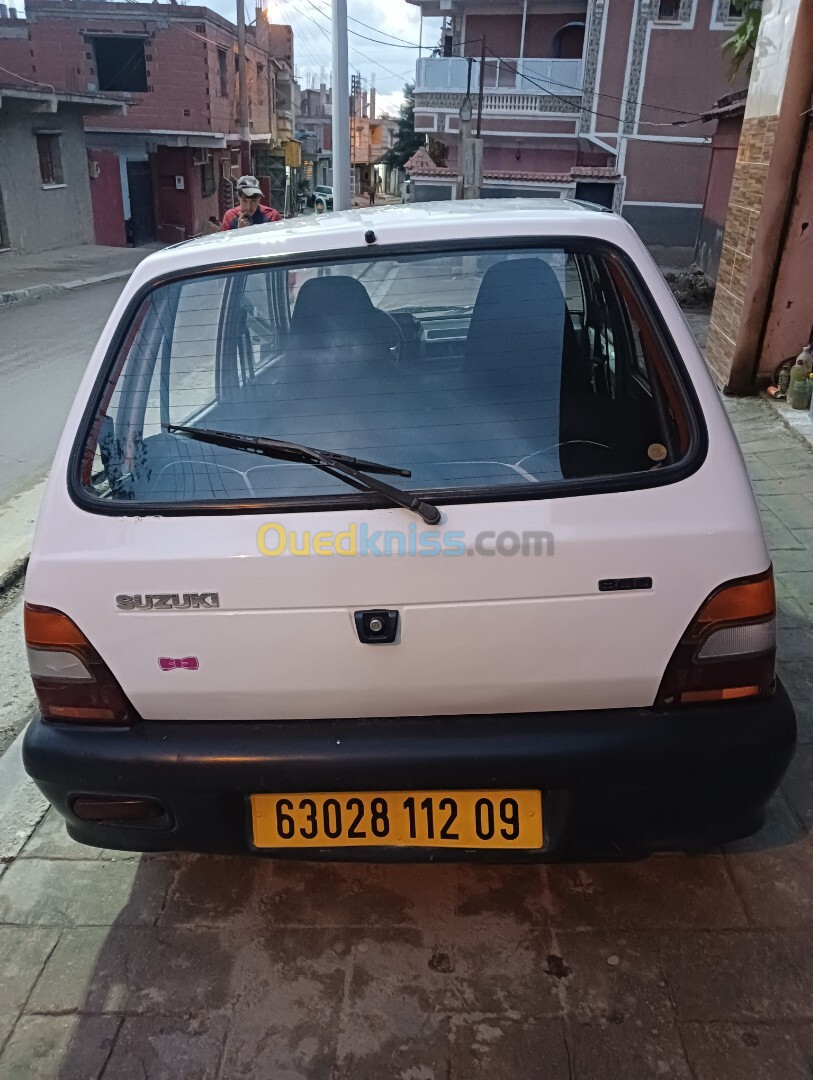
{"x": 386, "y": 61}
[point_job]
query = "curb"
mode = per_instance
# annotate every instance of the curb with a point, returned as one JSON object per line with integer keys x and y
{"x": 22, "y": 806}
{"x": 35, "y": 292}
{"x": 12, "y": 577}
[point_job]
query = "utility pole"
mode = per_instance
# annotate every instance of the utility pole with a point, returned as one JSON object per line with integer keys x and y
{"x": 340, "y": 109}
{"x": 245, "y": 134}
{"x": 473, "y": 149}
{"x": 465, "y": 154}
{"x": 482, "y": 84}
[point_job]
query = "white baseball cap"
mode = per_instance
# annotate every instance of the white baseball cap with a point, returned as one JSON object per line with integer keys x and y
{"x": 249, "y": 186}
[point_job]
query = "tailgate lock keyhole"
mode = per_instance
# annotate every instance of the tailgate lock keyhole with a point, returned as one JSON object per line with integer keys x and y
{"x": 376, "y": 627}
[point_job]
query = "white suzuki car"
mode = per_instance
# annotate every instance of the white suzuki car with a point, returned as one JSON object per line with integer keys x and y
{"x": 411, "y": 533}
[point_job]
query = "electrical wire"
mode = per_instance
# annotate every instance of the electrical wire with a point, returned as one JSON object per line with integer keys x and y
{"x": 384, "y": 33}
{"x": 31, "y": 82}
{"x": 567, "y": 101}
{"x": 622, "y": 100}
{"x": 352, "y": 48}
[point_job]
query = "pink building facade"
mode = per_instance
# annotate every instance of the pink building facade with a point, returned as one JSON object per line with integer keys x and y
{"x": 593, "y": 99}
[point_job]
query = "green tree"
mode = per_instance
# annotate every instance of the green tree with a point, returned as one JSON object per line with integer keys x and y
{"x": 438, "y": 152}
{"x": 406, "y": 142}
{"x": 740, "y": 46}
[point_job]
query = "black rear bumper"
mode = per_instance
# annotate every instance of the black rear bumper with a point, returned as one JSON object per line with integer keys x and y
{"x": 614, "y": 782}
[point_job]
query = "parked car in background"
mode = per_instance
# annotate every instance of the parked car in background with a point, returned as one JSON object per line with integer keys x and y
{"x": 431, "y": 540}
{"x": 321, "y": 198}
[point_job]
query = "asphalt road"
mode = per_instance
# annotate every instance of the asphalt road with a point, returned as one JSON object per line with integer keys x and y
{"x": 44, "y": 350}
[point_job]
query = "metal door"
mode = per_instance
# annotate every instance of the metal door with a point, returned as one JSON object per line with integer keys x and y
{"x": 142, "y": 215}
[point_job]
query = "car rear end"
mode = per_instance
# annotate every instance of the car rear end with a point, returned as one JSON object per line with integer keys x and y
{"x": 237, "y": 651}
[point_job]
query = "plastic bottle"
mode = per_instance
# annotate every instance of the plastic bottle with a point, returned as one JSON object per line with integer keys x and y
{"x": 806, "y": 357}
{"x": 783, "y": 381}
{"x": 799, "y": 389}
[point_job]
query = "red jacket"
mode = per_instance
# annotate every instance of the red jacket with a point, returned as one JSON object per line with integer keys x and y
{"x": 261, "y": 215}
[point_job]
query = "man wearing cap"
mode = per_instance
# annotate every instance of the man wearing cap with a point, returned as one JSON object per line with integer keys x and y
{"x": 250, "y": 211}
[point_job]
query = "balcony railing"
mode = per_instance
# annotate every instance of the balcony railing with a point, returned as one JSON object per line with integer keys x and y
{"x": 448, "y": 74}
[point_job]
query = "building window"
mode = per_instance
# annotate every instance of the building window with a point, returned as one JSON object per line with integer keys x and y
{"x": 207, "y": 178}
{"x": 121, "y": 64}
{"x": 729, "y": 11}
{"x": 50, "y": 156}
{"x": 223, "y": 71}
{"x": 667, "y": 11}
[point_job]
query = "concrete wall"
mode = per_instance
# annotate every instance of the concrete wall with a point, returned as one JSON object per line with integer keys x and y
{"x": 39, "y": 218}
{"x": 667, "y": 172}
{"x": 539, "y": 159}
{"x": 672, "y": 227}
{"x": 518, "y": 192}
{"x": 503, "y": 32}
{"x": 724, "y": 145}
{"x": 430, "y": 192}
{"x": 684, "y": 69}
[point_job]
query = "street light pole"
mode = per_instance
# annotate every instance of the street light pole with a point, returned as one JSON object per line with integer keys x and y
{"x": 245, "y": 134}
{"x": 340, "y": 109}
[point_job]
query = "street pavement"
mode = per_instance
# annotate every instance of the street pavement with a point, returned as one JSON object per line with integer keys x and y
{"x": 46, "y": 345}
{"x": 28, "y": 277}
{"x": 198, "y": 968}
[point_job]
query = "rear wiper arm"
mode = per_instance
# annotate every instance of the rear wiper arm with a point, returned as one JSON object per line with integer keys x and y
{"x": 351, "y": 469}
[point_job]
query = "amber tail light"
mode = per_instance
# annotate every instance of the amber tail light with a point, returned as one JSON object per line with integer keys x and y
{"x": 71, "y": 680}
{"x": 729, "y": 649}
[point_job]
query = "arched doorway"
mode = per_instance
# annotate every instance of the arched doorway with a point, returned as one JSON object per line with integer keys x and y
{"x": 568, "y": 41}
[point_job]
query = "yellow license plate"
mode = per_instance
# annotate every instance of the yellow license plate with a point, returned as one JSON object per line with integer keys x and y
{"x": 438, "y": 819}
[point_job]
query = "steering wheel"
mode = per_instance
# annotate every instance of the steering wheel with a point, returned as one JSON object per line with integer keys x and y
{"x": 398, "y": 339}
{"x": 409, "y": 331}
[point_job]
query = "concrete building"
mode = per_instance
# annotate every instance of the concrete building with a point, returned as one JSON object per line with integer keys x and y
{"x": 169, "y": 163}
{"x": 371, "y": 136}
{"x": 314, "y": 130}
{"x": 45, "y": 186}
{"x": 580, "y": 97}
{"x": 763, "y": 305}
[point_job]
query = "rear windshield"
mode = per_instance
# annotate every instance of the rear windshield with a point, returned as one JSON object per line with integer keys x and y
{"x": 482, "y": 373}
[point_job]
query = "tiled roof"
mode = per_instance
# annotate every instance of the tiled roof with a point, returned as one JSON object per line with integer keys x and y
{"x": 421, "y": 161}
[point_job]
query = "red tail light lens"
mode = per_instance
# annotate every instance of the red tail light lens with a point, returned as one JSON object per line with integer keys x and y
{"x": 71, "y": 680}
{"x": 729, "y": 649}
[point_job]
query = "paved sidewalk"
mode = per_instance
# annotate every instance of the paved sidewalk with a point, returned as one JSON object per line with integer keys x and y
{"x": 28, "y": 277}
{"x": 197, "y": 968}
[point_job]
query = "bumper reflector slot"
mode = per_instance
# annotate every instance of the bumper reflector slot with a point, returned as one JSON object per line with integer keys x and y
{"x": 116, "y": 808}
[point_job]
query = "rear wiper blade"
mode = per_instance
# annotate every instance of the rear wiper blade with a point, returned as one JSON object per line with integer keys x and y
{"x": 351, "y": 469}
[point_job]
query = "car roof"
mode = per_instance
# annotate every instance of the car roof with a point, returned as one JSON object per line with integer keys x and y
{"x": 407, "y": 224}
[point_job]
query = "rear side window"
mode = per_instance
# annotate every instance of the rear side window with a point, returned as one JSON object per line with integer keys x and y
{"x": 483, "y": 373}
